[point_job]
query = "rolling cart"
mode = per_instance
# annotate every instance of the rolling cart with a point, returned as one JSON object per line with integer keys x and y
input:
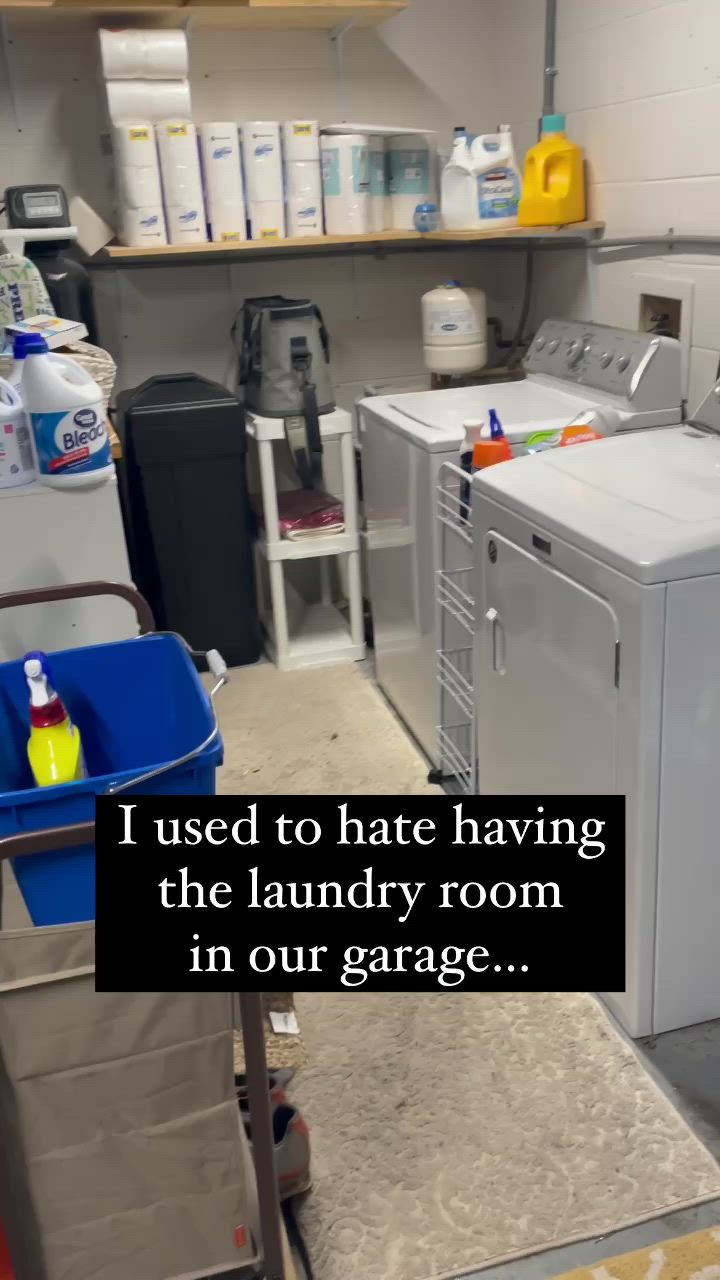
{"x": 178, "y": 753}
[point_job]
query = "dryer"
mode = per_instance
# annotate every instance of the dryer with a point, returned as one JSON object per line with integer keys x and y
{"x": 628, "y": 380}
{"x": 597, "y": 670}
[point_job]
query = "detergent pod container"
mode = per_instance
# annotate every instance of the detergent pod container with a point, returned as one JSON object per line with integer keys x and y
{"x": 67, "y": 417}
{"x": 498, "y": 179}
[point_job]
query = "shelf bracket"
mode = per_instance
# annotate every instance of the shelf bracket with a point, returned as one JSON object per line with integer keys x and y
{"x": 337, "y": 40}
{"x": 5, "y": 43}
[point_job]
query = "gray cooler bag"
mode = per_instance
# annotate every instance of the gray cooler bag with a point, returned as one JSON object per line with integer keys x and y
{"x": 284, "y": 368}
{"x": 122, "y": 1153}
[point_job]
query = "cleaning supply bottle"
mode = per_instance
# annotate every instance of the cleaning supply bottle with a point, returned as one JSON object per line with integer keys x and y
{"x": 495, "y": 448}
{"x": 54, "y": 747}
{"x": 498, "y": 178}
{"x": 67, "y": 416}
{"x": 17, "y": 463}
{"x": 473, "y": 428}
{"x": 458, "y": 190}
{"x": 554, "y": 188}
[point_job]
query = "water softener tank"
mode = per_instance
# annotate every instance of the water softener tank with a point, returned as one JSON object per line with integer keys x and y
{"x": 454, "y": 329}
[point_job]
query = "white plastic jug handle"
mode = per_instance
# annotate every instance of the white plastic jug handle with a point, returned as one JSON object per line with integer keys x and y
{"x": 10, "y": 394}
{"x": 71, "y": 370}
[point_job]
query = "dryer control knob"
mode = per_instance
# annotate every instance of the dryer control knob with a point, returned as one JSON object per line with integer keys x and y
{"x": 574, "y": 351}
{"x": 606, "y": 359}
{"x": 622, "y": 363}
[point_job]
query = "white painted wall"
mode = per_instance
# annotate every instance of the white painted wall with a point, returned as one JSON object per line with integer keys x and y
{"x": 430, "y": 67}
{"x": 640, "y": 82}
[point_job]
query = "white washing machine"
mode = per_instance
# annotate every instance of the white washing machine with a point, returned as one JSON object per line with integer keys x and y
{"x": 51, "y": 537}
{"x": 597, "y": 670}
{"x": 630, "y": 380}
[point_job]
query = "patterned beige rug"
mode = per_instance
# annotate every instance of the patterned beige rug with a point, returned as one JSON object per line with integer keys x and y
{"x": 454, "y": 1131}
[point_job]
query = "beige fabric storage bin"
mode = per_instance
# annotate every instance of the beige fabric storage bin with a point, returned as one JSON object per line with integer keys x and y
{"x": 122, "y": 1151}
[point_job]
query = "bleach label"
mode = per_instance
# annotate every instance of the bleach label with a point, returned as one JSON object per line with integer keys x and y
{"x": 71, "y": 443}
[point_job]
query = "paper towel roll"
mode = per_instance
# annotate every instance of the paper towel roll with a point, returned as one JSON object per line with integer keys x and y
{"x": 226, "y": 220}
{"x": 134, "y": 144}
{"x": 378, "y": 184}
{"x": 186, "y": 223}
{"x": 301, "y": 140}
{"x": 267, "y": 219}
{"x": 409, "y": 178}
{"x": 143, "y": 227}
{"x": 220, "y": 161}
{"x": 303, "y": 178}
{"x": 134, "y": 54}
{"x": 179, "y": 163}
{"x": 304, "y": 217}
{"x": 139, "y": 186}
{"x": 151, "y": 100}
{"x": 346, "y": 183}
{"x": 262, "y": 160}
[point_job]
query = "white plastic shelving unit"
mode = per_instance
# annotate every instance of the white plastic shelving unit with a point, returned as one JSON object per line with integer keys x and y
{"x": 310, "y": 635}
{"x": 456, "y": 617}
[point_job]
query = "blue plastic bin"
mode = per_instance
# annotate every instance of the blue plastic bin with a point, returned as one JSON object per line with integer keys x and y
{"x": 138, "y": 704}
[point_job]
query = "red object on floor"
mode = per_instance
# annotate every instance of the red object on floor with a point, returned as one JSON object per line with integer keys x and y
{"x": 6, "y": 1270}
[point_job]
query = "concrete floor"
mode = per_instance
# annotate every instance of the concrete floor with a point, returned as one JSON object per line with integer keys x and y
{"x": 686, "y": 1065}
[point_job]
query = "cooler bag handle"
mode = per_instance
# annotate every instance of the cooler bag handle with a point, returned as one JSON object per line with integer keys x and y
{"x": 305, "y": 442}
{"x": 324, "y": 335}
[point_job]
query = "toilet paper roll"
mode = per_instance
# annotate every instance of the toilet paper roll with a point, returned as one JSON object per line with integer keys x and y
{"x": 133, "y": 54}
{"x": 152, "y": 100}
{"x": 346, "y": 183}
{"x": 409, "y": 178}
{"x": 226, "y": 221}
{"x": 303, "y": 178}
{"x": 143, "y": 227}
{"x": 220, "y": 162}
{"x": 379, "y": 211}
{"x": 304, "y": 217}
{"x": 139, "y": 187}
{"x": 267, "y": 219}
{"x": 179, "y": 163}
{"x": 262, "y": 160}
{"x": 301, "y": 140}
{"x": 134, "y": 144}
{"x": 186, "y": 224}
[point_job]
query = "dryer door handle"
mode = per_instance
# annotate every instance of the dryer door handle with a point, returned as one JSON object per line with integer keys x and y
{"x": 498, "y": 641}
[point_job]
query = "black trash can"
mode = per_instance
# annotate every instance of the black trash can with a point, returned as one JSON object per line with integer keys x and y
{"x": 188, "y": 521}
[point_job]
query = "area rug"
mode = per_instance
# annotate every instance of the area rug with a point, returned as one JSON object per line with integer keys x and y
{"x": 693, "y": 1257}
{"x": 458, "y": 1130}
{"x": 308, "y": 732}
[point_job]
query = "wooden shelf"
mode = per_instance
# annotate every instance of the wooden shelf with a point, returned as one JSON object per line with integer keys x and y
{"x": 250, "y": 15}
{"x": 579, "y": 232}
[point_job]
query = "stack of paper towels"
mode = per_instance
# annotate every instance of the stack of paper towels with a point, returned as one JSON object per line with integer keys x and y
{"x": 346, "y": 183}
{"x": 146, "y": 75}
{"x": 181, "y": 181}
{"x": 142, "y": 221}
{"x": 222, "y": 179}
{"x": 303, "y": 181}
{"x": 262, "y": 161}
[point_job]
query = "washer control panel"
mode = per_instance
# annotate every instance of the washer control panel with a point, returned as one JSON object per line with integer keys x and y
{"x": 617, "y": 362}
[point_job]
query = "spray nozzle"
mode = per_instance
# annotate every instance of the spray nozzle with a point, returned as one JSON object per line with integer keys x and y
{"x": 496, "y": 430}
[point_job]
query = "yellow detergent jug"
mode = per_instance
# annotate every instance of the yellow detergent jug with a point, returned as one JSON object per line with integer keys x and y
{"x": 54, "y": 748}
{"x": 554, "y": 186}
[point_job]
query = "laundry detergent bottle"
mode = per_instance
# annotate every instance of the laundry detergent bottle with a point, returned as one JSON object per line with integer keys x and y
{"x": 498, "y": 179}
{"x": 554, "y": 188}
{"x": 66, "y": 410}
{"x": 458, "y": 190}
{"x": 54, "y": 747}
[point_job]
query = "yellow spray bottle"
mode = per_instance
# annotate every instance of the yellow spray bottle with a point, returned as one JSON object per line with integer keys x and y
{"x": 54, "y": 748}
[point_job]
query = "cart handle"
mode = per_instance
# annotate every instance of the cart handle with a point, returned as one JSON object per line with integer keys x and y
{"x": 78, "y": 590}
{"x": 46, "y": 840}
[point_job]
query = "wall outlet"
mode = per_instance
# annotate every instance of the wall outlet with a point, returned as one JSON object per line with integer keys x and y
{"x": 665, "y": 305}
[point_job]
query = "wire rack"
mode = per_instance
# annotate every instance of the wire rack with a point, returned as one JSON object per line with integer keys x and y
{"x": 456, "y": 631}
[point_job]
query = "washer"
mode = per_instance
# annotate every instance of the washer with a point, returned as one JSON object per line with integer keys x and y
{"x": 628, "y": 380}
{"x": 597, "y": 579}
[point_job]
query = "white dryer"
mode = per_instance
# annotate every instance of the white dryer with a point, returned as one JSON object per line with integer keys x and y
{"x": 597, "y": 670}
{"x": 629, "y": 380}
